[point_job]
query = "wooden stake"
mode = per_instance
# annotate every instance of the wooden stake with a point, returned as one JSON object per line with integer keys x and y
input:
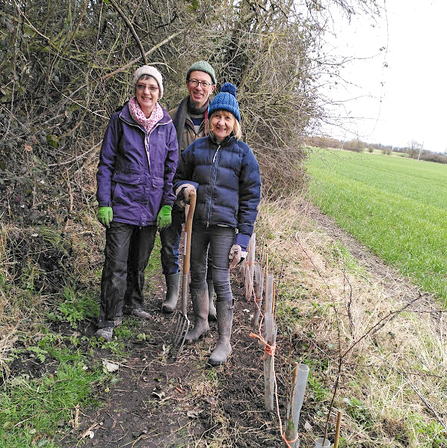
{"x": 269, "y": 374}
{"x": 258, "y": 284}
{"x": 291, "y": 431}
{"x": 274, "y": 299}
{"x": 337, "y": 430}
{"x": 249, "y": 267}
{"x": 270, "y": 332}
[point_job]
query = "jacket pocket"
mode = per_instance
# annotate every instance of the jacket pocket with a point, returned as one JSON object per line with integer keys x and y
{"x": 128, "y": 178}
{"x": 154, "y": 193}
{"x": 128, "y": 189}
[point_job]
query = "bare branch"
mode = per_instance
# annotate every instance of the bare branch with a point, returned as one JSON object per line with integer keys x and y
{"x": 132, "y": 29}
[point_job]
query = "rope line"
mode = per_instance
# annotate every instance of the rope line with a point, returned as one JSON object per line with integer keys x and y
{"x": 268, "y": 349}
{"x": 288, "y": 442}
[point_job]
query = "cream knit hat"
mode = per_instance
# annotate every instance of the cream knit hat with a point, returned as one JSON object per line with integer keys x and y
{"x": 151, "y": 71}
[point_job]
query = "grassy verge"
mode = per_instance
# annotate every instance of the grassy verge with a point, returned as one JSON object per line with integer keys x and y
{"x": 33, "y": 411}
{"x": 355, "y": 329}
{"x": 395, "y": 206}
{"x": 61, "y": 375}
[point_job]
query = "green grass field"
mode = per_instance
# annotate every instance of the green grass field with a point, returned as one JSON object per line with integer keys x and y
{"x": 395, "y": 206}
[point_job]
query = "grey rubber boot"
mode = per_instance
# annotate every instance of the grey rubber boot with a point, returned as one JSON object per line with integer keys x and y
{"x": 173, "y": 287}
{"x": 212, "y": 316}
{"x": 200, "y": 304}
{"x": 225, "y": 323}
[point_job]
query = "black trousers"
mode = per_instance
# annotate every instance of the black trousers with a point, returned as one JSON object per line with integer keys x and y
{"x": 127, "y": 253}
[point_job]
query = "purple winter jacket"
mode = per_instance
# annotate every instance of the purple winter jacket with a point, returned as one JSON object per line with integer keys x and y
{"x": 136, "y": 169}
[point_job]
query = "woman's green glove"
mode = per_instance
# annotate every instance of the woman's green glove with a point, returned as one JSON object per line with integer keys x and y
{"x": 164, "y": 218}
{"x": 105, "y": 216}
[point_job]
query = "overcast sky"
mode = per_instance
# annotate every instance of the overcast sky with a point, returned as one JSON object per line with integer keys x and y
{"x": 399, "y": 93}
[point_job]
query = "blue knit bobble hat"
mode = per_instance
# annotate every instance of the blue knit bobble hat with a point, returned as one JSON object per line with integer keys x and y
{"x": 226, "y": 100}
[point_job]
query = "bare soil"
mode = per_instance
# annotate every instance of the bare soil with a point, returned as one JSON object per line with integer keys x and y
{"x": 164, "y": 402}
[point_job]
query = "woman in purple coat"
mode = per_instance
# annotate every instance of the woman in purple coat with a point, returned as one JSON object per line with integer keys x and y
{"x": 137, "y": 164}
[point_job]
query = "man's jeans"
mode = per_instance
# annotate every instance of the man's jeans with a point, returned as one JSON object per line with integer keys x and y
{"x": 170, "y": 242}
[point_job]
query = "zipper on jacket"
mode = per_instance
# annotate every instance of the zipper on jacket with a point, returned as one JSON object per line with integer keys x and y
{"x": 147, "y": 144}
{"x": 215, "y": 154}
{"x": 148, "y": 137}
{"x": 213, "y": 184}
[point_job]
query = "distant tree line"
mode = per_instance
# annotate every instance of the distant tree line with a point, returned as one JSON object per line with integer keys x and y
{"x": 413, "y": 150}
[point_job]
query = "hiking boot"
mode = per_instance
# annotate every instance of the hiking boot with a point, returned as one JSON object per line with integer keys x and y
{"x": 105, "y": 333}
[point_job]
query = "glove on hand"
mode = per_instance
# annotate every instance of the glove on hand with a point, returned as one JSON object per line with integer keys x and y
{"x": 237, "y": 255}
{"x": 185, "y": 194}
{"x": 105, "y": 216}
{"x": 164, "y": 218}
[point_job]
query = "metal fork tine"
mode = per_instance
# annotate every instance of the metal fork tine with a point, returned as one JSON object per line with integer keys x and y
{"x": 181, "y": 330}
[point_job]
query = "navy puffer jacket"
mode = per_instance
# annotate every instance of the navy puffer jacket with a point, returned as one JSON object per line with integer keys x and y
{"x": 136, "y": 170}
{"x": 228, "y": 184}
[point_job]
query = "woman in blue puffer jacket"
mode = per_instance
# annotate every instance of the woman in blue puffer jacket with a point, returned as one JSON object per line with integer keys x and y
{"x": 225, "y": 174}
{"x": 135, "y": 194}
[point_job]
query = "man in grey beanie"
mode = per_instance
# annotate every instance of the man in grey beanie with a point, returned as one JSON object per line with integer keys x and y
{"x": 191, "y": 114}
{"x": 190, "y": 118}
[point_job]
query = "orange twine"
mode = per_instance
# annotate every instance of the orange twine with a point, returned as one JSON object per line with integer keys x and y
{"x": 269, "y": 349}
{"x": 288, "y": 442}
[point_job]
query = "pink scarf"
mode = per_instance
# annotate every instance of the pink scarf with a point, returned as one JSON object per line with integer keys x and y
{"x": 139, "y": 117}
